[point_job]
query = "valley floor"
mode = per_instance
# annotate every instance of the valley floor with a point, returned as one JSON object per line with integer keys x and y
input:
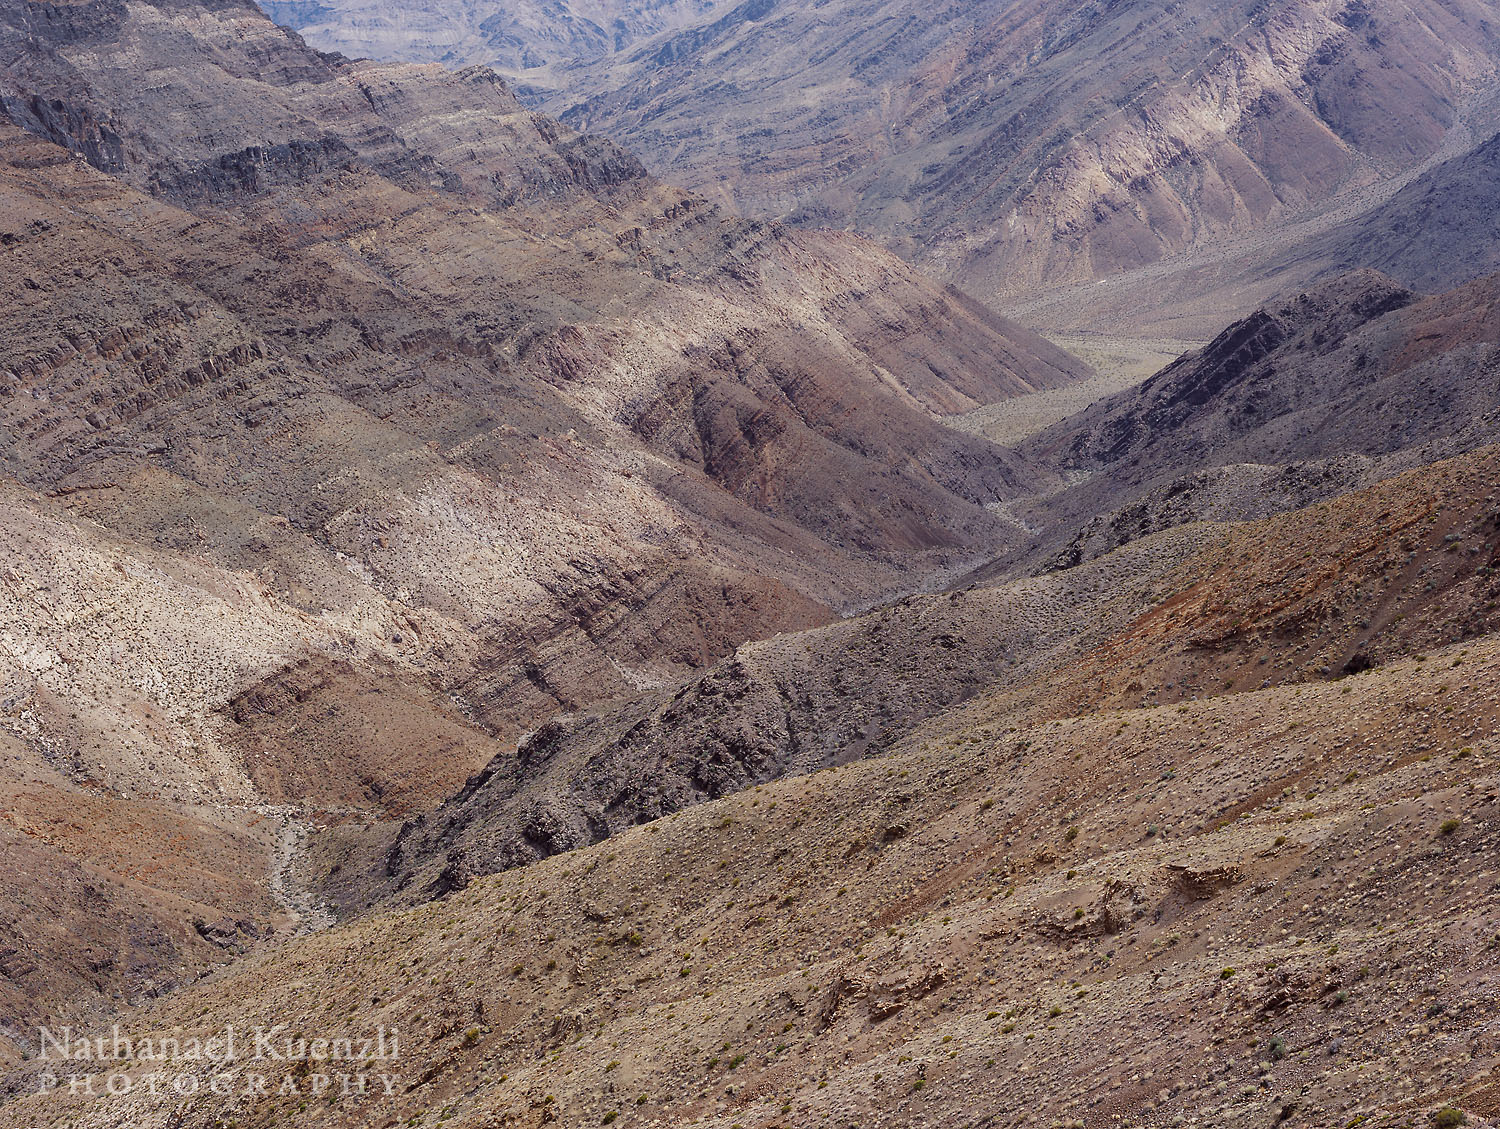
{"x": 1118, "y": 362}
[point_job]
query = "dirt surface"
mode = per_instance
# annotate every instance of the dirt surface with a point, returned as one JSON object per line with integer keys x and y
{"x": 1263, "y": 908}
{"x": 1118, "y": 363}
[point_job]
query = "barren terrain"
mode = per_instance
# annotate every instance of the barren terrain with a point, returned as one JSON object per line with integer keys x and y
{"x": 664, "y": 667}
{"x": 1191, "y": 152}
{"x": 356, "y": 419}
{"x": 1258, "y": 907}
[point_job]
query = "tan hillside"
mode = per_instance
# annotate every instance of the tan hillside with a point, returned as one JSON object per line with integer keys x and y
{"x": 1249, "y": 910}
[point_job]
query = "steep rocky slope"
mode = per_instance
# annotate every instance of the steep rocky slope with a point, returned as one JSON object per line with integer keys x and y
{"x": 1436, "y": 233}
{"x": 661, "y": 406}
{"x": 1016, "y": 146}
{"x": 537, "y": 45}
{"x": 1354, "y": 583}
{"x": 1431, "y": 228}
{"x": 355, "y": 418}
{"x": 1197, "y": 159}
{"x": 787, "y": 705}
{"x": 1267, "y": 907}
{"x": 1341, "y": 385}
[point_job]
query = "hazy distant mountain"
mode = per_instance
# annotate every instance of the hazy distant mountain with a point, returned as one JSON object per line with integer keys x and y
{"x": 1018, "y": 147}
{"x": 537, "y": 44}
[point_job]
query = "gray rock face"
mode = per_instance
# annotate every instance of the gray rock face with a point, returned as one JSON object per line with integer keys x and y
{"x": 257, "y": 169}
{"x": 74, "y": 128}
{"x": 537, "y": 44}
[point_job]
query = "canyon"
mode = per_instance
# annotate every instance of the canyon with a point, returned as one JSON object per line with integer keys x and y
{"x": 742, "y": 564}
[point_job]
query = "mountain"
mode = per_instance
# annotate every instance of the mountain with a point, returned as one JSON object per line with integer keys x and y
{"x": 1304, "y": 401}
{"x": 646, "y": 666}
{"x": 1017, "y": 148}
{"x": 535, "y": 45}
{"x": 789, "y": 705}
{"x": 361, "y": 321}
{"x": 1257, "y": 908}
{"x": 1171, "y": 615}
{"x": 355, "y": 419}
{"x": 1437, "y": 232}
{"x": 1431, "y": 228}
{"x": 1329, "y": 390}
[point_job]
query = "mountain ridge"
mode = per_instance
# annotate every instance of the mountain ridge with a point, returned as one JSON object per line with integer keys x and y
{"x": 369, "y": 406}
{"x": 1023, "y": 148}
{"x": 453, "y": 582}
